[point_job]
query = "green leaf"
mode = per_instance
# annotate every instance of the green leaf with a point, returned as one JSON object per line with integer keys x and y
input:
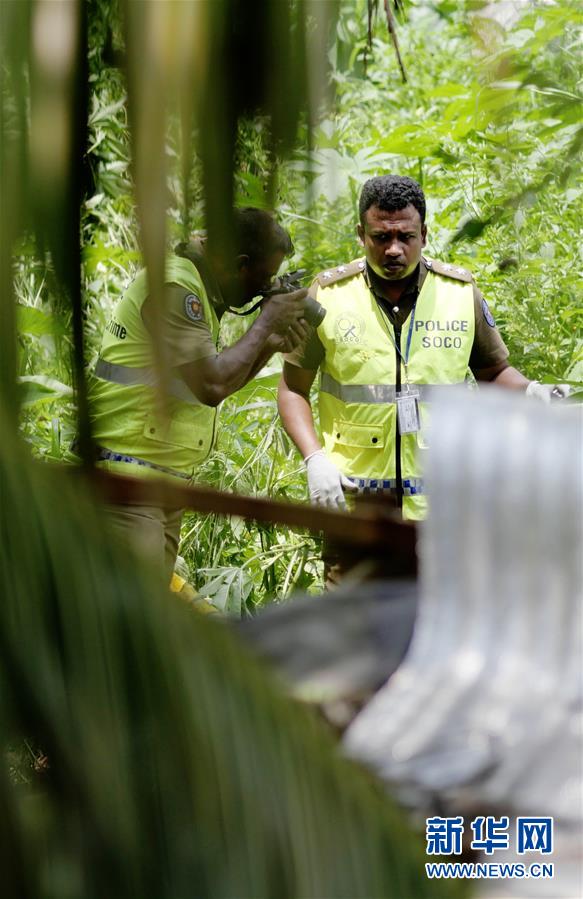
{"x": 261, "y": 382}
{"x": 407, "y": 140}
{"x": 229, "y": 589}
{"x": 40, "y": 389}
{"x": 252, "y": 191}
{"x": 32, "y": 320}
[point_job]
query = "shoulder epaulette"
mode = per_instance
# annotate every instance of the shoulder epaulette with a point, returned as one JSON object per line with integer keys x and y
{"x": 332, "y": 275}
{"x": 448, "y": 271}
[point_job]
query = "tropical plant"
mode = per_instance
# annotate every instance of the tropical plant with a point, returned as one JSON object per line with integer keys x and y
{"x": 167, "y": 762}
{"x": 487, "y": 121}
{"x": 170, "y": 763}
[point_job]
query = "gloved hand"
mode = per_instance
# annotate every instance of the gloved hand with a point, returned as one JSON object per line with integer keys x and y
{"x": 325, "y": 481}
{"x": 548, "y": 392}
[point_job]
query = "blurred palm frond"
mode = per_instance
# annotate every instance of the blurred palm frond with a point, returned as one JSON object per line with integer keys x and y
{"x": 176, "y": 767}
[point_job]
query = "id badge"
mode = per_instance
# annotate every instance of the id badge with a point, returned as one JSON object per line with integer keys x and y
{"x": 408, "y": 412}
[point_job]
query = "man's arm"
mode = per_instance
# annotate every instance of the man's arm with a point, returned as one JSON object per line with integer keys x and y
{"x": 326, "y": 483}
{"x": 489, "y": 358}
{"x": 295, "y": 409}
{"x": 503, "y": 375}
{"x": 511, "y": 379}
{"x": 293, "y": 399}
{"x": 279, "y": 328}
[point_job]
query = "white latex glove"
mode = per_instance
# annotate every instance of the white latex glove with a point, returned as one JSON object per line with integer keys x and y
{"x": 548, "y": 392}
{"x": 326, "y": 482}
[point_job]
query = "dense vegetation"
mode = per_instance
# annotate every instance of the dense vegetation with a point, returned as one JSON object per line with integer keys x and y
{"x": 488, "y": 121}
{"x": 167, "y": 761}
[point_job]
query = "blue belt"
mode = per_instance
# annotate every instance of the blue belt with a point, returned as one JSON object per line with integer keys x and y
{"x": 411, "y": 486}
{"x": 105, "y": 455}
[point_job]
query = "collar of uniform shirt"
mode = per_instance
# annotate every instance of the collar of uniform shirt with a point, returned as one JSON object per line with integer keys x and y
{"x": 408, "y": 298}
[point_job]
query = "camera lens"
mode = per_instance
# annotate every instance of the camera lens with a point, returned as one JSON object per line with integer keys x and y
{"x": 314, "y": 312}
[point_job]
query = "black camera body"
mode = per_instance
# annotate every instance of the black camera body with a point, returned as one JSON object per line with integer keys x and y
{"x": 314, "y": 312}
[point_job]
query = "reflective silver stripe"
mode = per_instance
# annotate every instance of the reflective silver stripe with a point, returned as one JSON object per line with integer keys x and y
{"x": 357, "y": 393}
{"x": 142, "y": 377}
{"x": 373, "y": 393}
{"x": 178, "y": 389}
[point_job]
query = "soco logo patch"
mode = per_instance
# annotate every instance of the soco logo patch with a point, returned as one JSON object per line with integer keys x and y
{"x": 193, "y": 307}
{"x": 349, "y": 328}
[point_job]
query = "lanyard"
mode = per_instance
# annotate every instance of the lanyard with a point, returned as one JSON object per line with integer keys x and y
{"x": 405, "y": 358}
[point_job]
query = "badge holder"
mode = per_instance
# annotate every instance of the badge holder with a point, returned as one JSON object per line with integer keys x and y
{"x": 408, "y": 414}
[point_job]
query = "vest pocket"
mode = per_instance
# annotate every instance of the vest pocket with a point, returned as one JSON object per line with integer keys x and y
{"x": 345, "y": 433}
{"x": 185, "y": 429}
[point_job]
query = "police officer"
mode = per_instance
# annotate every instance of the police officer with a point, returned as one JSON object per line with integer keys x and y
{"x": 134, "y": 435}
{"x": 397, "y": 323}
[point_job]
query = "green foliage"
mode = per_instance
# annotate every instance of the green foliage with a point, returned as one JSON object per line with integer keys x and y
{"x": 237, "y": 564}
{"x": 488, "y": 122}
{"x": 170, "y": 763}
{"x": 175, "y": 766}
{"x": 40, "y": 389}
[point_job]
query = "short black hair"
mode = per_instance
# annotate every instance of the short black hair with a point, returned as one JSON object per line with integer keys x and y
{"x": 260, "y": 235}
{"x": 392, "y": 193}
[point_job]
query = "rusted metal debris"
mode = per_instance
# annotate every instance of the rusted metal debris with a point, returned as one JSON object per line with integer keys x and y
{"x": 373, "y": 530}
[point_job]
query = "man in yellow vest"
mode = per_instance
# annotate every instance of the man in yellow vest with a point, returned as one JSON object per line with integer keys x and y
{"x": 397, "y": 324}
{"x": 134, "y": 435}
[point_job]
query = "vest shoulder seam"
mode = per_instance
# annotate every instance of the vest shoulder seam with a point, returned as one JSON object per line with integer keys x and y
{"x": 448, "y": 271}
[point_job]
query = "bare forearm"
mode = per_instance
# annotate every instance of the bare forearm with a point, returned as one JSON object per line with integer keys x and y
{"x": 214, "y": 378}
{"x": 279, "y": 326}
{"x": 236, "y": 365}
{"x": 511, "y": 379}
{"x": 263, "y": 358}
{"x": 296, "y": 415}
{"x": 296, "y": 334}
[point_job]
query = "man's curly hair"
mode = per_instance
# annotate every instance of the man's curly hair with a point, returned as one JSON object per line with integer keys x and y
{"x": 391, "y": 193}
{"x": 258, "y": 236}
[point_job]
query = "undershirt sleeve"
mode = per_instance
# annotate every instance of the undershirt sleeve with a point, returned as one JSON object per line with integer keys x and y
{"x": 488, "y": 349}
{"x": 187, "y": 335}
{"x": 310, "y": 353}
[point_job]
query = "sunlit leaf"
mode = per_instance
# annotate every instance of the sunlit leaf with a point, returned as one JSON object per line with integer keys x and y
{"x": 40, "y": 389}
{"x": 31, "y": 320}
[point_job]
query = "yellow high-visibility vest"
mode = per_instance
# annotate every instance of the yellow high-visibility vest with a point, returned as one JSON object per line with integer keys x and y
{"x": 125, "y": 409}
{"x": 358, "y": 385}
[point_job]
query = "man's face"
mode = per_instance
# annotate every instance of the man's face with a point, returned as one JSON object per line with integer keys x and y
{"x": 392, "y": 241}
{"x": 255, "y": 277}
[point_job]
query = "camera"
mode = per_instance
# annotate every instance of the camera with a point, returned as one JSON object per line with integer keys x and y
{"x": 314, "y": 312}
